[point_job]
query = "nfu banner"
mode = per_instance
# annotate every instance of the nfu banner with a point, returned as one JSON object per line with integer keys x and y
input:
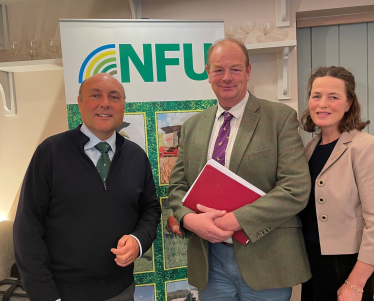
{"x": 154, "y": 60}
{"x": 161, "y": 65}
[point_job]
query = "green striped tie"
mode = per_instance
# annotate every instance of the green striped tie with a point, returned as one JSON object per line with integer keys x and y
{"x": 104, "y": 161}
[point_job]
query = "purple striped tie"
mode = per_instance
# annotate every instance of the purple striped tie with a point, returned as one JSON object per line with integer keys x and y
{"x": 222, "y": 140}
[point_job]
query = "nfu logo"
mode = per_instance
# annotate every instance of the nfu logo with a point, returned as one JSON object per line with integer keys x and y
{"x": 103, "y": 60}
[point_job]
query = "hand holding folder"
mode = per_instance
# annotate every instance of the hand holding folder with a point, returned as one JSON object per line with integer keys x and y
{"x": 219, "y": 188}
{"x": 203, "y": 225}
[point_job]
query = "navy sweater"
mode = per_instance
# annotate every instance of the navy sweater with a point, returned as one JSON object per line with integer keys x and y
{"x": 67, "y": 220}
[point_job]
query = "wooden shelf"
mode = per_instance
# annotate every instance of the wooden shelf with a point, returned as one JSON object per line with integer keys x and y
{"x": 28, "y": 66}
{"x": 283, "y": 50}
{"x": 7, "y": 79}
{"x": 269, "y": 47}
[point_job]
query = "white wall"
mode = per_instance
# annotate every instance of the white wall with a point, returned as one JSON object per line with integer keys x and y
{"x": 263, "y": 82}
{"x": 41, "y": 112}
{"x": 39, "y": 19}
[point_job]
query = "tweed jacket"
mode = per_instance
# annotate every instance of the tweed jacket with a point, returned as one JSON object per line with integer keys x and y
{"x": 268, "y": 153}
{"x": 344, "y": 193}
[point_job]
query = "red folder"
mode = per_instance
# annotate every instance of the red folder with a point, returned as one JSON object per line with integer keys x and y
{"x": 219, "y": 188}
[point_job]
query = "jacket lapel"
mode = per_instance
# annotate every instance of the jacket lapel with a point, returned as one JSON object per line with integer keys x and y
{"x": 202, "y": 139}
{"x": 311, "y": 146}
{"x": 246, "y": 129}
{"x": 339, "y": 149}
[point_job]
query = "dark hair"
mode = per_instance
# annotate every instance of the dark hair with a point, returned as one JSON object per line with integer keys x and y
{"x": 351, "y": 119}
{"x": 237, "y": 42}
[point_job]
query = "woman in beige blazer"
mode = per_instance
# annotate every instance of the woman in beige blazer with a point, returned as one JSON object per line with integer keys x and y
{"x": 338, "y": 222}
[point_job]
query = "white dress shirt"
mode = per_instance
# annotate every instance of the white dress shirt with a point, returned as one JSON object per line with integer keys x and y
{"x": 89, "y": 147}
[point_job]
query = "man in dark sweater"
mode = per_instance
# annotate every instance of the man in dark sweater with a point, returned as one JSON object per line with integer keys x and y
{"x": 78, "y": 231}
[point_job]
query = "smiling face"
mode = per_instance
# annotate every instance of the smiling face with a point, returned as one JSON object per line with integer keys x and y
{"x": 102, "y": 105}
{"x": 228, "y": 74}
{"x": 328, "y": 103}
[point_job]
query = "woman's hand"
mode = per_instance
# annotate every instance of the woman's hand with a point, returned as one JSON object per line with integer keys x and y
{"x": 357, "y": 278}
{"x": 345, "y": 293}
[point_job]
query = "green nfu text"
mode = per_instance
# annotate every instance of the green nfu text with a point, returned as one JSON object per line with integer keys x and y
{"x": 145, "y": 66}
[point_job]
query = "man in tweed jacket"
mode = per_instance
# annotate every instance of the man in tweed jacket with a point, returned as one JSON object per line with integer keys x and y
{"x": 265, "y": 149}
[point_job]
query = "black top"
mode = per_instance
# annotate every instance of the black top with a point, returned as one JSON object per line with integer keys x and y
{"x": 67, "y": 220}
{"x": 309, "y": 216}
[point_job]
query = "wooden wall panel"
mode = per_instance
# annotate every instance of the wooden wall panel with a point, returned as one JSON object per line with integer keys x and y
{"x": 325, "y": 46}
{"x": 353, "y": 50}
{"x": 304, "y": 65}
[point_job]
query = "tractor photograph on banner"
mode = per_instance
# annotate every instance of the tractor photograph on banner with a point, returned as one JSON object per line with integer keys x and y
{"x": 170, "y": 141}
{"x": 169, "y": 126}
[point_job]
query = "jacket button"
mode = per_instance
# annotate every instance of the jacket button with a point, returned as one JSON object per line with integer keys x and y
{"x": 321, "y": 183}
{"x": 324, "y": 218}
{"x": 321, "y": 200}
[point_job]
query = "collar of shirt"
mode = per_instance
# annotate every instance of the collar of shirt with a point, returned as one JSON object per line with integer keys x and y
{"x": 236, "y": 111}
{"x": 94, "y": 140}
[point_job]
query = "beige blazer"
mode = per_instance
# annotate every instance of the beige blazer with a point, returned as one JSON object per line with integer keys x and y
{"x": 344, "y": 192}
{"x": 268, "y": 153}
